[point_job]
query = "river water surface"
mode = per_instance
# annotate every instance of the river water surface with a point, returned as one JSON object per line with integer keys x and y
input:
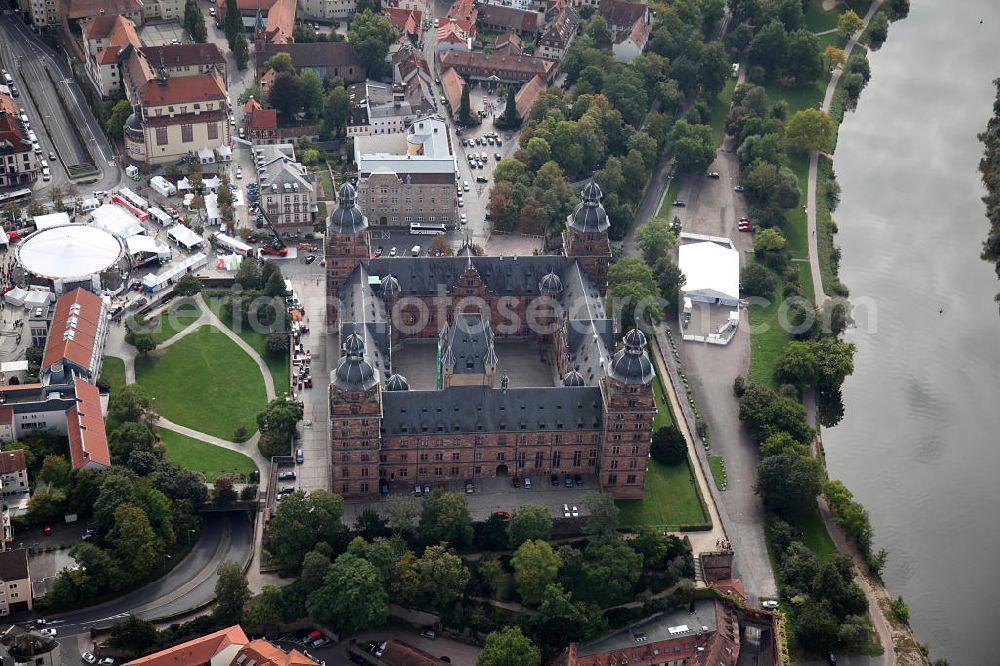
{"x": 920, "y": 442}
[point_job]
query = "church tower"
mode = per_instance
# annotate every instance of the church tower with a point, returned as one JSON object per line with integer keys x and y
{"x": 355, "y": 417}
{"x": 586, "y": 236}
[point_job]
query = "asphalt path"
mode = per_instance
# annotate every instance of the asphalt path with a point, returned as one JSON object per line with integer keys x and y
{"x": 190, "y": 584}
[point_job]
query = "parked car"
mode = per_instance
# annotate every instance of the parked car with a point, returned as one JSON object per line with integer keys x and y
{"x": 713, "y": 174}
{"x": 566, "y": 513}
{"x": 679, "y": 204}
{"x": 429, "y": 634}
{"x": 515, "y": 481}
{"x": 527, "y": 483}
{"x": 46, "y": 529}
{"x": 89, "y": 534}
{"x": 469, "y": 488}
{"x": 554, "y": 478}
{"x": 578, "y": 479}
{"x": 286, "y": 476}
{"x": 274, "y": 251}
{"x": 738, "y": 188}
{"x": 286, "y": 490}
{"x": 239, "y": 173}
{"x": 482, "y": 179}
{"x": 379, "y": 251}
{"x": 463, "y": 218}
{"x": 311, "y": 258}
{"x": 465, "y": 186}
{"x": 575, "y": 512}
{"x": 320, "y": 642}
{"x": 51, "y": 633}
{"x": 88, "y": 658}
{"x": 746, "y": 227}
{"x": 299, "y": 456}
{"x": 568, "y": 481}
{"x": 769, "y": 603}
{"x": 52, "y": 156}
{"x": 392, "y": 252}
{"x": 503, "y": 515}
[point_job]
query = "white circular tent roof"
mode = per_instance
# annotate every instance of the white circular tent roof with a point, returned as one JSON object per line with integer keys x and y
{"x": 70, "y": 251}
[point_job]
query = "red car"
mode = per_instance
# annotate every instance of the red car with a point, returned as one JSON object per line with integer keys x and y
{"x": 276, "y": 252}
{"x": 745, "y": 226}
{"x": 503, "y": 514}
{"x": 516, "y": 482}
{"x": 46, "y": 529}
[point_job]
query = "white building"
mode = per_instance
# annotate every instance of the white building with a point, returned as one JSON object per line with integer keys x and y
{"x": 712, "y": 271}
{"x": 287, "y": 190}
{"x": 326, "y": 9}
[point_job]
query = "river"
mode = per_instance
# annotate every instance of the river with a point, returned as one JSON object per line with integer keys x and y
{"x": 920, "y": 442}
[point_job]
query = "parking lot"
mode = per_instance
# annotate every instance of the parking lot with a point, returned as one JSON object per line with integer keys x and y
{"x": 162, "y": 34}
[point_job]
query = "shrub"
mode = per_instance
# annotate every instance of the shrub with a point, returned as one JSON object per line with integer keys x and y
{"x": 668, "y": 446}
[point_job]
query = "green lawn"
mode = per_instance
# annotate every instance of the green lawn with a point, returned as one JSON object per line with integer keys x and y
{"x": 767, "y": 339}
{"x": 824, "y": 226}
{"x": 797, "y": 98}
{"x": 175, "y": 318}
{"x": 113, "y": 372}
{"x": 718, "y": 466}
{"x": 210, "y": 460}
{"x": 277, "y": 366}
{"x": 818, "y": 20}
{"x": 814, "y": 534}
{"x": 833, "y": 39}
{"x": 671, "y": 499}
{"x": 323, "y": 176}
{"x": 669, "y": 197}
{"x": 719, "y": 107}
{"x": 206, "y": 382}
{"x": 664, "y": 415}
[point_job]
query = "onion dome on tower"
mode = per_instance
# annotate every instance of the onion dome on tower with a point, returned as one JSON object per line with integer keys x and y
{"x": 397, "y": 382}
{"x": 354, "y": 372}
{"x": 390, "y": 286}
{"x": 347, "y": 218}
{"x": 550, "y": 284}
{"x": 573, "y": 378}
{"x": 589, "y": 215}
{"x": 631, "y": 365}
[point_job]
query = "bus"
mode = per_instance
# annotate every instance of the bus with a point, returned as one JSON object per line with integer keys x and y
{"x": 14, "y": 195}
{"x": 230, "y": 244}
{"x": 427, "y": 229}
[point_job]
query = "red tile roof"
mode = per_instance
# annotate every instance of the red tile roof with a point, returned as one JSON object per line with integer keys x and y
{"x": 510, "y": 41}
{"x": 108, "y": 56}
{"x": 100, "y": 27}
{"x": 463, "y": 10}
{"x": 266, "y": 654}
{"x": 184, "y": 90}
{"x": 508, "y": 18}
{"x": 197, "y": 651}
{"x": 10, "y": 133}
{"x": 77, "y": 347}
{"x": 453, "y": 83}
{"x": 251, "y": 106}
{"x": 452, "y": 32}
{"x": 527, "y": 67}
{"x": 88, "y": 441}
{"x": 11, "y": 462}
{"x": 407, "y": 21}
{"x": 179, "y": 55}
{"x": 264, "y": 119}
{"x": 6, "y": 415}
{"x": 85, "y": 8}
{"x": 621, "y": 14}
{"x": 527, "y": 95}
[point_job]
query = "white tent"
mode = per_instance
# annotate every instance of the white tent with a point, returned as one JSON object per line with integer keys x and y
{"x": 15, "y": 296}
{"x": 212, "y": 183}
{"x": 184, "y": 236}
{"x": 184, "y": 184}
{"x": 212, "y": 213}
{"x": 225, "y": 153}
{"x": 51, "y": 220}
{"x": 206, "y": 156}
{"x": 162, "y": 185}
{"x": 4, "y": 240}
{"x": 712, "y": 272}
{"x": 154, "y": 283}
{"x": 116, "y": 220}
{"x": 36, "y": 298}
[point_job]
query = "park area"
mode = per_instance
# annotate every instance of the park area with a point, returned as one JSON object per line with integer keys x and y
{"x": 210, "y": 460}
{"x": 205, "y": 382}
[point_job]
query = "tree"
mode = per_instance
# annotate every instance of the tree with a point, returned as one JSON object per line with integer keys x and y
{"x": 602, "y": 521}
{"x": 693, "y": 146}
{"x": 241, "y": 50}
{"x": 714, "y": 68}
{"x": 119, "y": 114}
{"x": 264, "y": 610}
{"x": 371, "y": 34}
{"x": 56, "y": 470}
{"x": 135, "y": 544}
{"x": 529, "y": 521}
{"x": 509, "y": 647}
{"x": 445, "y": 517}
{"x": 789, "y": 482}
{"x": 188, "y": 285}
{"x": 535, "y": 565}
{"x": 833, "y": 57}
{"x": 769, "y": 240}
{"x": 314, "y": 567}
{"x": 312, "y": 93}
{"x": 655, "y": 239}
{"x": 232, "y": 22}
{"x": 509, "y": 119}
{"x": 224, "y": 493}
{"x": 279, "y": 418}
{"x": 610, "y": 572}
{"x": 561, "y": 620}
{"x": 281, "y": 63}
{"x": 301, "y": 522}
{"x": 440, "y": 247}
{"x": 133, "y": 634}
{"x": 634, "y": 292}
{"x": 194, "y": 22}
{"x": 769, "y": 47}
{"x": 286, "y": 94}
{"x": 128, "y": 437}
{"x": 668, "y": 446}
{"x": 598, "y": 31}
{"x": 767, "y": 413}
{"x": 669, "y": 278}
{"x": 352, "y": 597}
{"x": 780, "y": 443}
{"x": 336, "y": 111}
{"x": 47, "y": 505}
{"x": 277, "y": 345}
{"x": 808, "y": 130}
{"x": 403, "y": 511}
{"x": 231, "y": 593}
{"x": 129, "y": 404}
{"x": 849, "y": 23}
{"x": 440, "y": 575}
{"x": 464, "y": 107}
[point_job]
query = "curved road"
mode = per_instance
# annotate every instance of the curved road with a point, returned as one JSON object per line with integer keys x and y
{"x": 190, "y": 584}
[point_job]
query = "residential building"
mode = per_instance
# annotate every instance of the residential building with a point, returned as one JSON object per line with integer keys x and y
{"x": 18, "y": 163}
{"x": 261, "y": 124}
{"x": 527, "y": 95}
{"x": 383, "y": 108}
{"x": 464, "y": 12}
{"x": 408, "y": 178}
{"x": 226, "y": 647}
{"x": 177, "y": 116}
{"x": 501, "y": 18}
{"x": 75, "y": 345}
{"x": 287, "y": 191}
{"x": 453, "y": 85}
{"x": 474, "y": 425}
{"x": 508, "y": 43}
{"x": 451, "y": 36}
{"x": 272, "y": 21}
{"x": 15, "y": 582}
{"x": 13, "y": 469}
{"x": 497, "y": 68}
{"x": 326, "y": 9}
{"x": 104, "y": 39}
{"x": 558, "y": 34}
{"x": 263, "y": 653}
{"x": 179, "y": 60}
{"x": 622, "y": 15}
{"x": 85, "y": 9}
{"x": 409, "y": 23}
{"x": 629, "y": 45}
{"x": 705, "y": 634}
{"x": 324, "y": 58}
{"x": 166, "y": 10}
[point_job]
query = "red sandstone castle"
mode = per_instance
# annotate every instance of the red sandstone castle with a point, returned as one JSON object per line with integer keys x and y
{"x": 474, "y": 425}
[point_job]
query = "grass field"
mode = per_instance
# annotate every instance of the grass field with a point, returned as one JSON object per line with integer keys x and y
{"x": 814, "y": 534}
{"x": 277, "y": 366}
{"x": 719, "y": 107}
{"x": 113, "y": 372}
{"x": 767, "y": 338}
{"x": 671, "y": 499}
{"x": 177, "y": 317}
{"x": 718, "y": 466}
{"x": 797, "y": 98}
{"x": 664, "y": 415}
{"x": 323, "y": 177}
{"x": 205, "y": 382}
{"x": 210, "y": 460}
{"x": 818, "y": 20}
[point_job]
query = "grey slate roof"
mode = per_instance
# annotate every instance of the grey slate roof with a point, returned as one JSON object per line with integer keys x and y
{"x": 656, "y": 629}
{"x": 362, "y": 313}
{"x": 470, "y": 344}
{"x": 471, "y": 409}
{"x": 502, "y": 275}
{"x": 589, "y": 215}
{"x": 347, "y": 218}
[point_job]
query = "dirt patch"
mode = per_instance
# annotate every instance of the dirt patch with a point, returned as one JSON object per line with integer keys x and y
{"x": 908, "y": 652}
{"x": 828, "y": 5}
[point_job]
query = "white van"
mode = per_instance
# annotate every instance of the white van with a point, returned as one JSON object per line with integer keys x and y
{"x": 36, "y": 148}
{"x": 45, "y": 174}
{"x": 45, "y": 165}
{"x": 415, "y": 251}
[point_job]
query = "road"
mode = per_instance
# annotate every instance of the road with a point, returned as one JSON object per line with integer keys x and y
{"x": 19, "y": 45}
{"x": 224, "y": 537}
